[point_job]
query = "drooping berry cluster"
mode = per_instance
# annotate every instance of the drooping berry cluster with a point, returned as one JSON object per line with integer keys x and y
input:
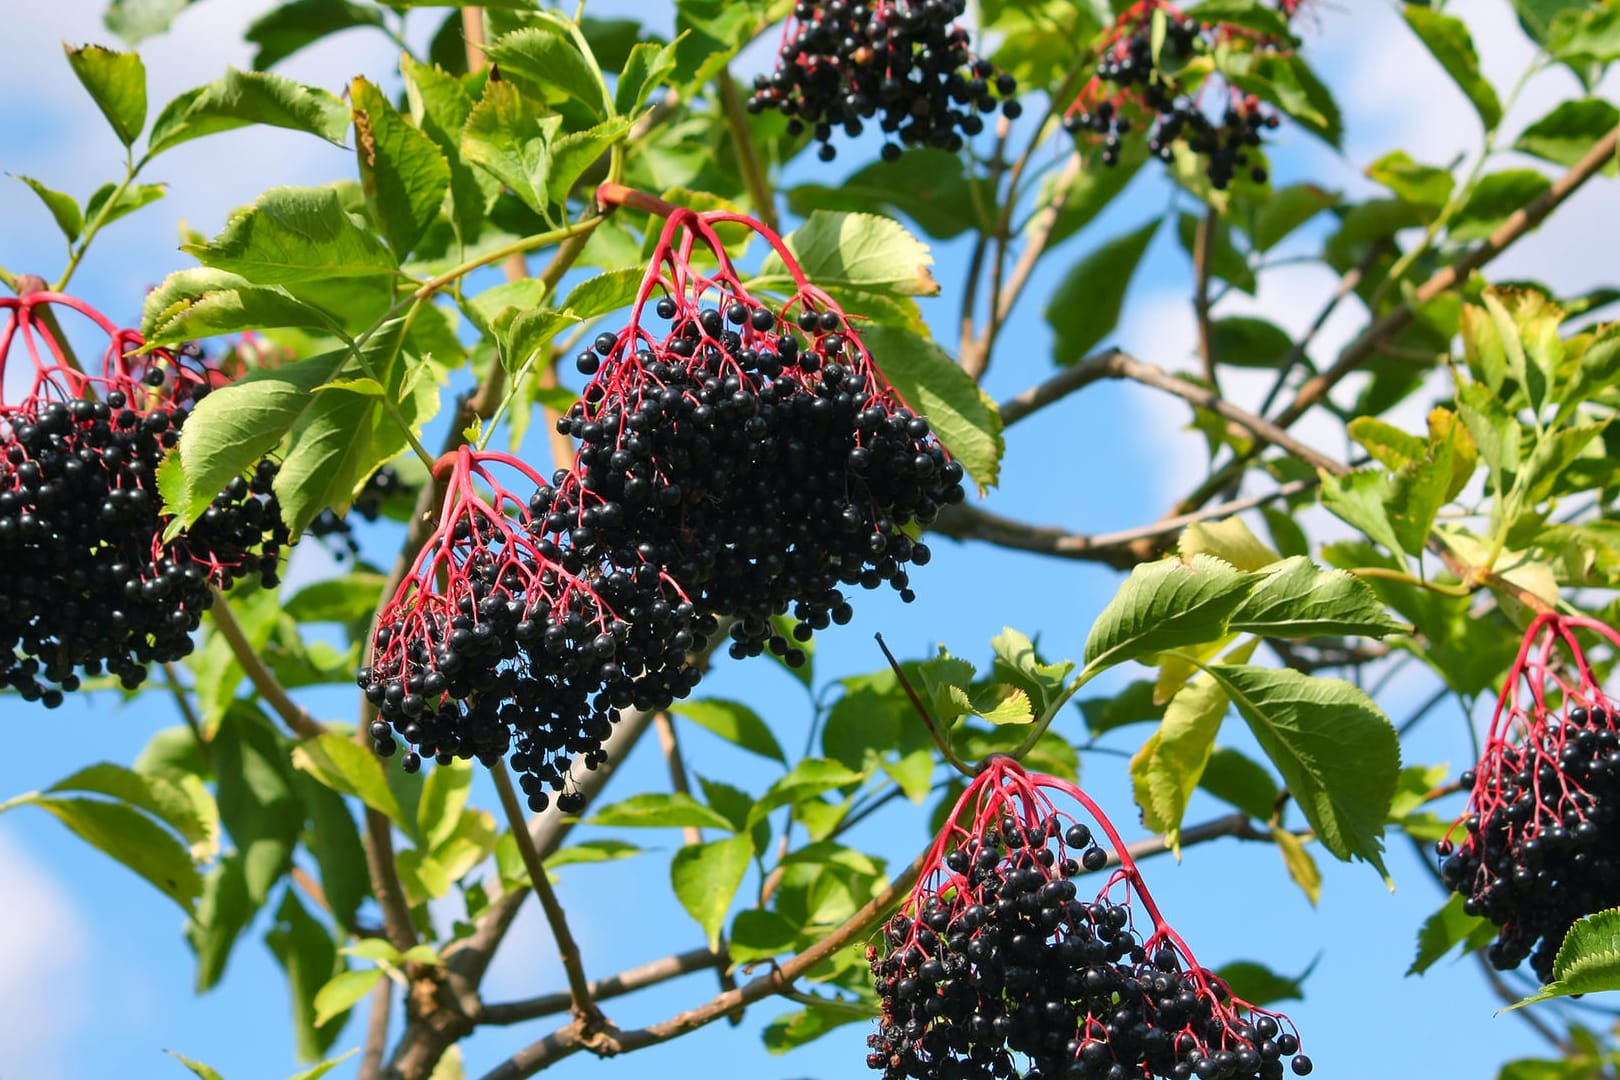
{"x": 904, "y": 62}
{"x": 89, "y": 585}
{"x": 746, "y": 461}
{"x": 997, "y": 967}
{"x": 501, "y": 638}
{"x": 1536, "y": 853}
{"x": 1134, "y": 88}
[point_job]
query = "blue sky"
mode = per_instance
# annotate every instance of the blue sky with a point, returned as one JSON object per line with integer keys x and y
{"x": 95, "y": 979}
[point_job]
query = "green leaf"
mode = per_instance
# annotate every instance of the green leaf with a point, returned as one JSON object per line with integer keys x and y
{"x": 1447, "y": 38}
{"x": 402, "y": 172}
{"x": 131, "y": 199}
{"x": 645, "y": 69}
{"x": 350, "y": 769}
{"x": 1446, "y": 929}
{"x": 592, "y": 851}
{"x": 1258, "y": 984}
{"x": 734, "y": 722}
{"x": 1288, "y": 82}
{"x": 440, "y": 105}
{"x": 1494, "y": 199}
{"x": 1286, "y": 210}
{"x": 1335, "y": 748}
{"x": 197, "y": 1068}
{"x": 341, "y": 993}
{"x": 547, "y": 66}
{"x": 1245, "y": 13}
{"x": 757, "y": 934}
{"x": 1230, "y": 541}
{"x": 444, "y": 796}
{"x": 1247, "y": 342}
{"x": 1018, "y": 662}
{"x": 860, "y": 251}
{"x": 960, "y": 413}
{"x": 202, "y": 302}
{"x": 1567, "y": 134}
{"x": 1588, "y": 961}
{"x": 1298, "y": 600}
{"x": 1553, "y": 454}
{"x": 64, "y": 209}
{"x": 284, "y": 30}
{"x": 573, "y": 153}
{"x": 1234, "y": 778}
{"x": 807, "y": 779}
{"x": 927, "y": 185}
{"x": 1301, "y": 865}
{"x": 1134, "y": 704}
{"x": 222, "y": 913}
{"x": 706, "y": 877}
{"x": 241, "y": 98}
{"x": 334, "y": 841}
{"x": 310, "y": 958}
{"x": 793, "y": 1030}
{"x": 257, "y": 801}
{"x": 1165, "y": 605}
{"x": 657, "y": 810}
{"x": 191, "y": 813}
{"x": 1586, "y": 36}
{"x": 1420, "y": 185}
{"x": 293, "y": 234}
{"x": 130, "y": 837}
{"x": 116, "y": 82}
{"x": 237, "y": 425}
{"x": 342, "y": 438}
{"x": 327, "y": 1066}
{"x": 1358, "y": 497}
{"x": 1086, "y": 304}
{"x": 605, "y": 293}
{"x": 1166, "y": 770}
{"x": 529, "y": 336}
{"x": 509, "y": 136}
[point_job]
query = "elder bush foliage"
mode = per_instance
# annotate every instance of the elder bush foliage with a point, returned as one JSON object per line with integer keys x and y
{"x": 605, "y": 367}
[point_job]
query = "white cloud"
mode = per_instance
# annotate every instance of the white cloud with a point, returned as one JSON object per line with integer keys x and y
{"x": 43, "y": 981}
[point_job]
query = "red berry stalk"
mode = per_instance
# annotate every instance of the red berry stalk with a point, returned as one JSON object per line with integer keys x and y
{"x": 1542, "y": 799}
{"x": 753, "y": 450}
{"x": 995, "y": 966}
{"x": 500, "y": 632}
{"x": 88, "y": 582}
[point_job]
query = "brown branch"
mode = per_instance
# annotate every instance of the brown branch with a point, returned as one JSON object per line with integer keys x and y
{"x": 1116, "y": 364}
{"x": 294, "y": 715}
{"x": 183, "y": 704}
{"x": 1347, "y": 285}
{"x": 974, "y": 357}
{"x": 670, "y": 745}
{"x": 637, "y": 978}
{"x": 753, "y": 175}
{"x": 1121, "y": 550}
{"x": 567, "y": 947}
{"x": 1041, "y": 228}
{"x": 1203, "y": 256}
{"x": 371, "y": 1058}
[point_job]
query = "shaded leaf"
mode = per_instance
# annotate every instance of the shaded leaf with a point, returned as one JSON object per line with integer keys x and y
{"x": 706, "y": 877}
{"x": 64, "y": 209}
{"x": 1447, "y": 39}
{"x": 1495, "y": 199}
{"x": 1085, "y": 306}
{"x": 240, "y": 98}
{"x": 203, "y": 302}
{"x": 116, "y": 82}
{"x": 284, "y": 30}
{"x": 657, "y": 810}
{"x": 403, "y": 174}
{"x": 734, "y": 722}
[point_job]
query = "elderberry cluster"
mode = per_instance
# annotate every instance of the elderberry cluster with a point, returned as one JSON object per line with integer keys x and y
{"x": 1539, "y": 857}
{"x": 1008, "y": 973}
{"x": 762, "y": 472}
{"x": 88, "y": 585}
{"x": 904, "y": 62}
{"x": 1129, "y": 80}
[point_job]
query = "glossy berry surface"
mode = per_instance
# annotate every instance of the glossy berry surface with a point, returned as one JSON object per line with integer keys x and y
{"x": 999, "y": 965}
{"x": 1535, "y": 848}
{"x": 905, "y": 64}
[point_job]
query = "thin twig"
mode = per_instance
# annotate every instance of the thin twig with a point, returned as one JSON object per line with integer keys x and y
{"x": 1040, "y": 231}
{"x": 1118, "y": 549}
{"x": 636, "y": 978}
{"x": 292, "y": 714}
{"x": 183, "y": 704}
{"x": 371, "y": 1058}
{"x": 1296, "y": 354}
{"x": 567, "y": 948}
{"x": 753, "y": 174}
{"x": 1203, "y": 256}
